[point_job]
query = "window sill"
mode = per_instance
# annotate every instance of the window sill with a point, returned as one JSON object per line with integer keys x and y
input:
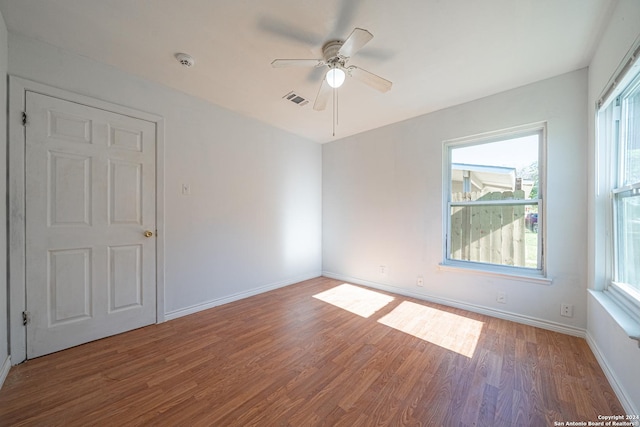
{"x": 496, "y": 271}
{"x": 630, "y": 325}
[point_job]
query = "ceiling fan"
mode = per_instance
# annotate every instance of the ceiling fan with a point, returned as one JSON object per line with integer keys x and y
{"x": 335, "y": 56}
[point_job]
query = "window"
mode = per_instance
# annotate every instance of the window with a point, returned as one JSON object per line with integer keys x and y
{"x": 621, "y": 121}
{"x": 493, "y": 191}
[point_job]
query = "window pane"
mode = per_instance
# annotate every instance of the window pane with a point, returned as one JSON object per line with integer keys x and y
{"x": 630, "y": 144}
{"x": 502, "y": 166}
{"x": 628, "y": 239}
{"x": 497, "y": 233}
{"x": 501, "y": 234}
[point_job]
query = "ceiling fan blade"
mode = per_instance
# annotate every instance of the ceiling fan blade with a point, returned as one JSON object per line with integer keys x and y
{"x": 345, "y": 17}
{"x": 323, "y": 96}
{"x": 281, "y": 63}
{"x": 375, "y": 81}
{"x": 356, "y": 40}
{"x": 283, "y": 29}
{"x": 315, "y": 74}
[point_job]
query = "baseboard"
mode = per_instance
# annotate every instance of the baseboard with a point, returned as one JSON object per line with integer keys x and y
{"x": 514, "y": 317}
{"x": 235, "y": 297}
{"x": 620, "y": 392}
{"x": 4, "y": 370}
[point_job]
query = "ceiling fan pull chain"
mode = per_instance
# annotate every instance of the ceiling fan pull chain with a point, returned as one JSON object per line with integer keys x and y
{"x": 333, "y": 115}
{"x": 337, "y": 108}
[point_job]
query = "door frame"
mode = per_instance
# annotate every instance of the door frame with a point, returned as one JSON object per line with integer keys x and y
{"x": 18, "y": 88}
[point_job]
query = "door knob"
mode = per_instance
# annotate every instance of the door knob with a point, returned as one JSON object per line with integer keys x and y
{"x": 148, "y": 233}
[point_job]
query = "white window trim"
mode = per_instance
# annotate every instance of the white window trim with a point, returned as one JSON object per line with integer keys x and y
{"x": 498, "y": 271}
{"x": 619, "y": 300}
{"x": 618, "y": 307}
{"x": 537, "y": 276}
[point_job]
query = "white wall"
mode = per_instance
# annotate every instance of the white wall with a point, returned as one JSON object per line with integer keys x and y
{"x": 253, "y": 219}
{"x": 382, "y": 204}
{"x": 4, "y": 337}
{"x": 618, "y": 354}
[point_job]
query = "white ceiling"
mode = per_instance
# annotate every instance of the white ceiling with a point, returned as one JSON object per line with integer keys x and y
{"x": 437, "y": 53}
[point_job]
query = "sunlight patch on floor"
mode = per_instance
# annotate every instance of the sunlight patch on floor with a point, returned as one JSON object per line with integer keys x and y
{"x": 447, "y": 330}
{"x": 362, "y": 302}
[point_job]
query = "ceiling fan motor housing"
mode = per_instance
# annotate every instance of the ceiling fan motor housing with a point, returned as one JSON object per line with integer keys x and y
{"x": 330, "y": 51}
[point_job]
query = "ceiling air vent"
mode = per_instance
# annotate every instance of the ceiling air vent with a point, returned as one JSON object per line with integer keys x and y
{"x": 296, "y": 99}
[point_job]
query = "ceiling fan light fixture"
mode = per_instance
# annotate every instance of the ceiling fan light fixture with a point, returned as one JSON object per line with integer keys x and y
{"x": 335, "y": 77}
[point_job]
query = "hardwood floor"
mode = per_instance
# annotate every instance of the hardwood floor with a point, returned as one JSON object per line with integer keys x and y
{"x": 301, "y": 356}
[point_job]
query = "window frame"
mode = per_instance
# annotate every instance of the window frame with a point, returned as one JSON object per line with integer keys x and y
{"x": 536, "y": 275}
{"x": 609, "y": 123}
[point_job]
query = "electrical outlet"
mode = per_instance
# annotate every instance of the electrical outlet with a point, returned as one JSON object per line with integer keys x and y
{"x": 566, "y": 310}
{"x": 186, "y": 189}
{"x": 420, "y": 281}
{"x": 502, "y": 297}
{"x": 384, "y": 270}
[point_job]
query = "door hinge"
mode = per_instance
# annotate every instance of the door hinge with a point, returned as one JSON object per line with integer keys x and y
{"x": 26, "y": 317}
{"x": 24, "y": 118}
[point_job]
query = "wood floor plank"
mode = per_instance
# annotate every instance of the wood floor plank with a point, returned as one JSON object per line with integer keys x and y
{"x": 289, "y": 358}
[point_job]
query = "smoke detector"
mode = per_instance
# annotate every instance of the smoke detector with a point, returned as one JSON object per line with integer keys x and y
{"x": 185, "y": 60}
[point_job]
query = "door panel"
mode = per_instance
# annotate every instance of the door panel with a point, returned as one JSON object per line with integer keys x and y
{"x": 126, "y": 139}
{"x": 69, "y": 189}
{"x": 90, "y": 196}
{"x": 69, "y": 285}
{"x": 69, "y": 128}
{"x": 125, "y": 202}
{"x": 125, "y": 277}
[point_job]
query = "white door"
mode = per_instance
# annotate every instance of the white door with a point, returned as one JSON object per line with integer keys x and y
{"x": 90, "y": 200}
